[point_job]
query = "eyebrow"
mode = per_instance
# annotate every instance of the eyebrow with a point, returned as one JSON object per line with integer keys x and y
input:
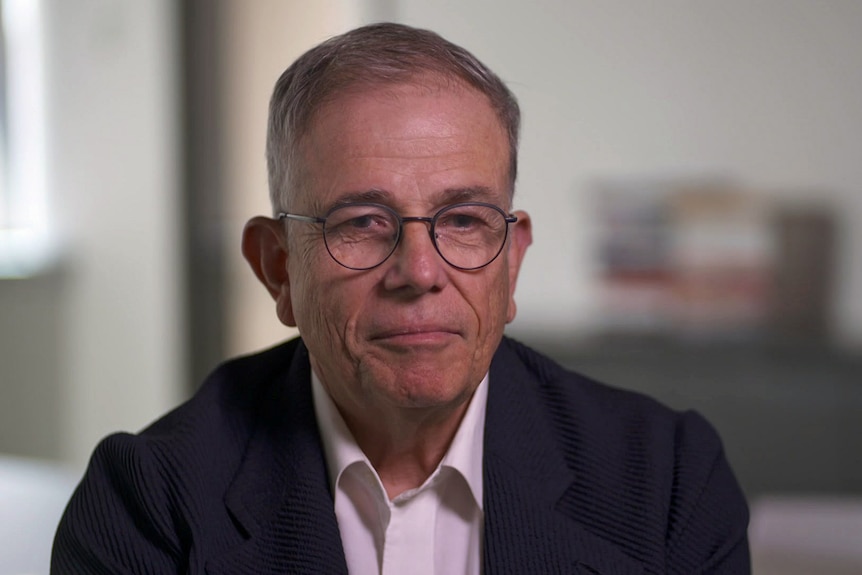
{"x": 374, "y": 196}
{"x": 446, "y": 197}
{"x": 468, "y": 194}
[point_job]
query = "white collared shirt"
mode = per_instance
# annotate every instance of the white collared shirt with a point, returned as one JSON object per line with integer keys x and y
{"x": 435, "y": 529}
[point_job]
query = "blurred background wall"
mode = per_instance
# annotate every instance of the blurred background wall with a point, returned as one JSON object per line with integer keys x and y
{"x": 678, "y": 158}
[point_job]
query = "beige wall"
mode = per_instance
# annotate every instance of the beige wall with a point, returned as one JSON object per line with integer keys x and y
{"x": 262, "y": 39}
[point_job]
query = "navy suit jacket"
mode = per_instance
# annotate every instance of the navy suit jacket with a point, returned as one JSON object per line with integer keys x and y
{"x": 579, "y": 478}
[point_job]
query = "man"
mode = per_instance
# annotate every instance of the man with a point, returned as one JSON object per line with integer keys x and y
{"x": 402, "y": 433}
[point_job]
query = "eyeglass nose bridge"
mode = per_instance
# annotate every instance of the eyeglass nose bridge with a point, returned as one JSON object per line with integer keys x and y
{"x": 425, "y": 220}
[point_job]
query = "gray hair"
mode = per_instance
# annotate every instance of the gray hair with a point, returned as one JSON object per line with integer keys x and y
{"x": 383, "y": 53}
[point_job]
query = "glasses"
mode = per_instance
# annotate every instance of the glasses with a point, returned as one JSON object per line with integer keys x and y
{"x": 361, "y": 236}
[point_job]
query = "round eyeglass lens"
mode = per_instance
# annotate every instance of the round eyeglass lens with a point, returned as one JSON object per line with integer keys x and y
{"x": 470, "y": 236}
{"x": 360, "y": 236}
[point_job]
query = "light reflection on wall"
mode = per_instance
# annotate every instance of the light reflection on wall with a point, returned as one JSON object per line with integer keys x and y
{"x": 26, "y": 243}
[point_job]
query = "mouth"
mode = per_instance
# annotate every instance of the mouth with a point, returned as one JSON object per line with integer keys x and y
{"x": 415, "y": 336}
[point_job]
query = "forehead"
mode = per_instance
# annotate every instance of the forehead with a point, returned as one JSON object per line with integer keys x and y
{"x": 414, "y": 142}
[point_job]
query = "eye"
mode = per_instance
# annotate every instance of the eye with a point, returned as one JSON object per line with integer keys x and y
{"x": 462, "y": 221}
{"x": 360, "y": 221}
{"x": 364, "y": 222}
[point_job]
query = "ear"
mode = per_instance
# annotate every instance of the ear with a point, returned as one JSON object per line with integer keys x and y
{"x": 521, "y": 236}
{"x": 264, "y": 246}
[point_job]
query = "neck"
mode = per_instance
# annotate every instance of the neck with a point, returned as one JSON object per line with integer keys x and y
{"x": 406, "y": 447}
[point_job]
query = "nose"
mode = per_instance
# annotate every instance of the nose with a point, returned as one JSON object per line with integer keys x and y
{"x": 416, "y": 266}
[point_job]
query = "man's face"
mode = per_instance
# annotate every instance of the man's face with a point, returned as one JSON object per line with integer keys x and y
{"x": 413, "y": 332}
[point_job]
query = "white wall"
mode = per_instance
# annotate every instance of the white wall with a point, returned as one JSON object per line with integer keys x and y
{"x": 768, "y": 92}
{"x": 114, "y": 157}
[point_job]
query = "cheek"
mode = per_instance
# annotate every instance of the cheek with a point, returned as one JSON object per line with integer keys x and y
{"x": 324, "y": 300}
{"x": 490, "y": 298}
{"x": 307, "y": 287}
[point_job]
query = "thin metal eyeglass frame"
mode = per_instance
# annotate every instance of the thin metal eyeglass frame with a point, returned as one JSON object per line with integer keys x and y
{"x": 432, "y": 220}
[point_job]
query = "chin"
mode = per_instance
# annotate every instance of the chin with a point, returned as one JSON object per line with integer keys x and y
{"x": 421, "y": 378}
{"x": 437, "y": 390}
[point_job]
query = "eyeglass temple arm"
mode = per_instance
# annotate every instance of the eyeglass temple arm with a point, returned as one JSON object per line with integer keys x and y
{"x": 312, "y": 219}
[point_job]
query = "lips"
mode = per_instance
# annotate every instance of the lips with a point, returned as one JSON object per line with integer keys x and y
{"x": 411, "y": 330}
{"x": 414, "y": 335}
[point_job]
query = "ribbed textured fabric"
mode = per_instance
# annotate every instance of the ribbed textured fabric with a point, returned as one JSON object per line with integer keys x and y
{"x": 579, "y": 478}
{"x": 643, "y": 489}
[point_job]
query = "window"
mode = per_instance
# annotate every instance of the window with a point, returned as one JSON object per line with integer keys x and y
{"x": 25, "y": 245}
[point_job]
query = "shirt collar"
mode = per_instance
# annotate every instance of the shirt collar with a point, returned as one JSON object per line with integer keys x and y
{"x": 339, "y": 446}
{"x": 465, "y": 454}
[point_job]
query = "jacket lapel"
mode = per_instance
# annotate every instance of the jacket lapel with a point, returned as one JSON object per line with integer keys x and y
{"x": 280, "y": 497}
{"x": 525, "y": 476}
